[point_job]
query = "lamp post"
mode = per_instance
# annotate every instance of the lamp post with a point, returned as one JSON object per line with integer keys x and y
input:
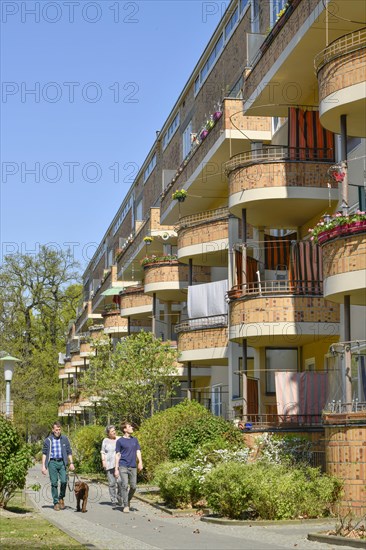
{"x": 8, "y": 363}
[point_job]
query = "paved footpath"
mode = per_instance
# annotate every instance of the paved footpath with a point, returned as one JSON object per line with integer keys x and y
{"x": 147, "y": 528}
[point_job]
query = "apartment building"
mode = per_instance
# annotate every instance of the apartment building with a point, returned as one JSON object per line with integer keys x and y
{"x": 211, "y": 249}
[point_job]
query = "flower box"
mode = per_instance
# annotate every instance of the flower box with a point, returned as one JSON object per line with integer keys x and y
{"x": 203, "y": 134}
{"x": 342, "y": 230}
{"x": 217, "y": 115}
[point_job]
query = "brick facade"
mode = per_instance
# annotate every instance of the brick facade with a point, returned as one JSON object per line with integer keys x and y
{"x": 342, "y": 72}
{"x": 344, "y": 255}
{"x": 284, "y": 309}
{"x": 174, "y": 271}
{"x": 279, "y": 174}
{"x": 203, "y": 339}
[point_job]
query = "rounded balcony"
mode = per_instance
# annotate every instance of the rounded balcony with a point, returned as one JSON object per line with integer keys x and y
{"x": 168, "y": 278}
{"x": 341, "y": 72}
{"x": 135, "y": 303}
{"x": 114, "y": 324}
{"x": 344, "y": 263}
{"x": 203, "y": 237}
{"x": 203, "y": 341}
{"x": 283, "y": 317}
{"x": 280, "y": 186}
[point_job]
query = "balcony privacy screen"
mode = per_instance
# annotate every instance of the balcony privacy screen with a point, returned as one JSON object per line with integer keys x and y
{"x": 301, "y": 393}
{"x": 277, "y": 250}
{"x": 207, "y": 300}
{"x": 306, "y": 267}
{"x": 307, "y": 139}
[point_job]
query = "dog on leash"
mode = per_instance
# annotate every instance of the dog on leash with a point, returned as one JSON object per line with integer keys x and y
{"x": 81, "y": 493}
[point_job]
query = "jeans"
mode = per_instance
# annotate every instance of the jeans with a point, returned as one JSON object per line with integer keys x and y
{"x": 114, "y": 486}
{"x": 57, "y": 470}
{"x": 128, "y": 478}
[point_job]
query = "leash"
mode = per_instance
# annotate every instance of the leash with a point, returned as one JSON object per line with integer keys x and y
{"x": 75, "y": 478}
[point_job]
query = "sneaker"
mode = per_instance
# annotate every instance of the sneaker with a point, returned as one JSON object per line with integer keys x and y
{"x": 62, "y": 504}
{"x": 57, "y": 507}
{"x": 126, "y": 509}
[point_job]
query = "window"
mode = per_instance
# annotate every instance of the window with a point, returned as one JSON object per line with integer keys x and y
{"x": 255, "y": 16}
{"x": 171, "y": 130}
{"x": 150, "y": 167}
{"x": 229, "y": 27}
{"x": 215, "y": 52}
{"x": 187, "y": 142}
{"x": 276, "y": 7}
{"x": 216, "y": 404}
{"x": 278, "y": 360}
{"x": 243, "y": 5}
{"x": 139, "y": 216}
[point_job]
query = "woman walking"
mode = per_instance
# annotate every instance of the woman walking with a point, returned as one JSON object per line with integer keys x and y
{"x": 108, "y": 453}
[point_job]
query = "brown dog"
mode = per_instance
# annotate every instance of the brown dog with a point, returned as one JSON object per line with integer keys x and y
{"x": 81, "y": 492}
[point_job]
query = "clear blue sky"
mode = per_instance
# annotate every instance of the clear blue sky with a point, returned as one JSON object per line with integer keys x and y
{"x": 104, "y": 76}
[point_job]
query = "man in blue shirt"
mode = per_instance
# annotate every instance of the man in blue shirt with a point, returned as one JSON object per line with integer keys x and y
{"x": 128, "y": 453}
{"x": 56, "y": 454}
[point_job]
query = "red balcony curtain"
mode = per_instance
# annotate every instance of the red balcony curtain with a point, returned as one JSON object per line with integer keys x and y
{"x": 306, "y": 268}
{"x": 252, "y": 267}
{"x": 277, "y": 251}
{"x": 307, "y": 139}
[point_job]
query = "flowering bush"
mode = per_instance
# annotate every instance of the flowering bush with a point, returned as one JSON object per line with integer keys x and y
{"x": 158, "y": 259}
{"x": 338, "y": 219}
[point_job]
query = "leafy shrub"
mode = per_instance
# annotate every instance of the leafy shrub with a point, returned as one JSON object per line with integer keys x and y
{"x": 202, "y": 430}
{"x": 228, "y": 489}
{"x": 270, "y": 491}
{"x": 181, "y": 482}
{"x": 156, "y": 432}
{"x": 15, "y": 459}
{"x": 86, "y": 443}
{"x": 178, "y": 487}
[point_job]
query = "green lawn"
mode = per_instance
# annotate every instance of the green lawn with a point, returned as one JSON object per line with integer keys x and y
{"x": 21, "y": 526}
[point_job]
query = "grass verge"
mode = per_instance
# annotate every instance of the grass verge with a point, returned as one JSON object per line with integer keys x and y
{"x": 22, "y": 526}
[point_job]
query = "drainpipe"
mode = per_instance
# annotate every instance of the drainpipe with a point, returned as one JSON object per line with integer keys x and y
{"x": 244, "y": 377}
{"x": 347, "y": 352}
{"x": 244, "y": 246}
{"x": 344, "y": 165}
{"x": 153, "y": 323}
{"x": 189, "y": 364}
{"x": 189, "y": 380}
{"x": 190, "y": 272}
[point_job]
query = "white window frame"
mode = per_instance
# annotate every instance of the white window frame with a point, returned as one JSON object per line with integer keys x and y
{"x": 216, "y": 404}
{"x": 187, "y": 140}
{"x": 150, "y": 167}
{"x": 234, "y": 18}
{"x": 139, "y": 211}
{"x": 171, "y": 131}
{"x": 254, "y": 18}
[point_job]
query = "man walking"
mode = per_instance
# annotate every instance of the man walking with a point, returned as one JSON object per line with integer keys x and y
{"x": 127, "y": 451}
{"x": 56, "y": 454}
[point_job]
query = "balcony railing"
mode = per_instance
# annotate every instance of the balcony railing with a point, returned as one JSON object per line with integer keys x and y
{"x": 282, "y": 421}
{"x": 304, "y": 288}
{"x": 201, "y": 217}
{"x": 201, "y": 323}
{"x": 341, "y": 46}
{"x": 278, "y": 154}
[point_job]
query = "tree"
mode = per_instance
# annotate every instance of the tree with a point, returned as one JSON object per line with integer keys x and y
{"x": 38, "y": 298}
{"x": 135, "y": 379}
{"x": 15, "y": 459}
